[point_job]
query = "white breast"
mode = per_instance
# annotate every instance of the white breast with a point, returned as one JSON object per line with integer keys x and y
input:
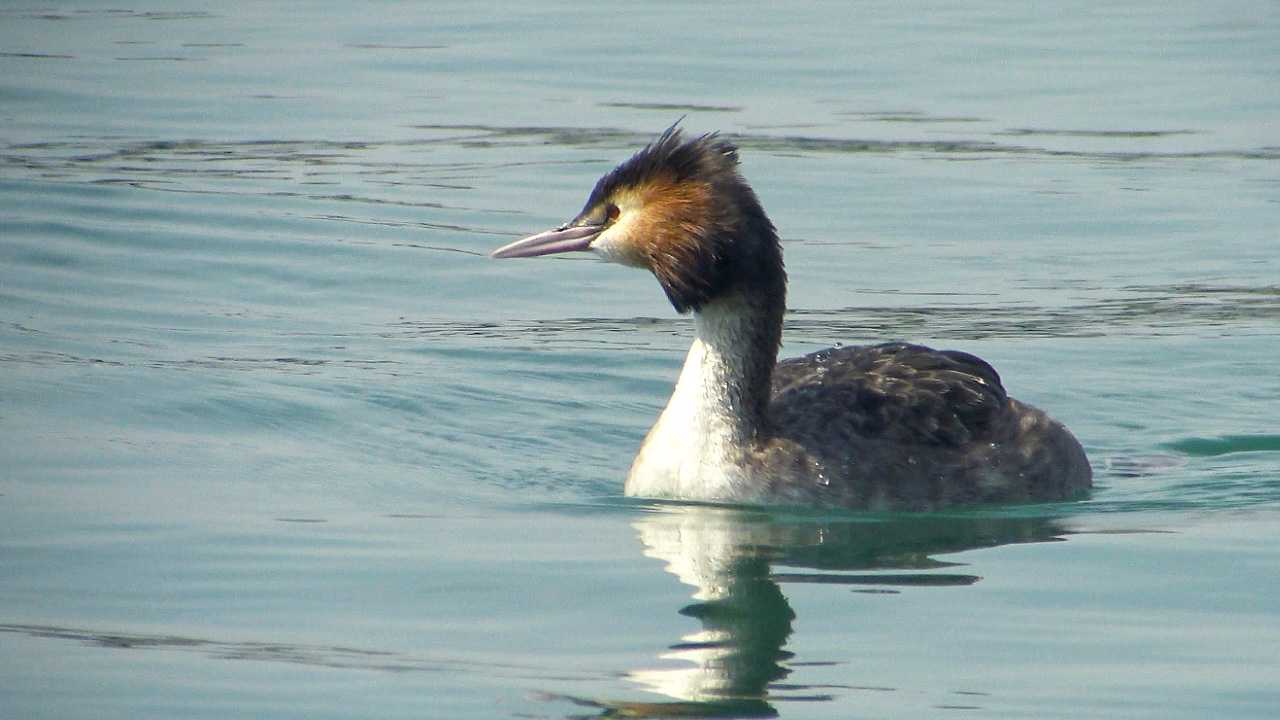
{"x": 695, "y": 451}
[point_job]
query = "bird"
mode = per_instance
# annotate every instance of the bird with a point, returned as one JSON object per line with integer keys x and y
{"x": 887, "y": 427}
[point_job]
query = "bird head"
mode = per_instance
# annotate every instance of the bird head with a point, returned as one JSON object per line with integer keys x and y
{"x": 678, "y": 208}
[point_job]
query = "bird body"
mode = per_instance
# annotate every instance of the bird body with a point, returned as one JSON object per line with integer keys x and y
{"x": 893, "y": 426}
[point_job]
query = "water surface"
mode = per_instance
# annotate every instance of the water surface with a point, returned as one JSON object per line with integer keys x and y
{"x": 277, "y": 440}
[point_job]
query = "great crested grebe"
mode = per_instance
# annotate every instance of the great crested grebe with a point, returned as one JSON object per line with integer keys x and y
{"x": 892, "y": 426}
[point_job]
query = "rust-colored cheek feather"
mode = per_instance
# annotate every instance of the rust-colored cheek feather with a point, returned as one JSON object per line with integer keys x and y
{"x": 681, "y": 238}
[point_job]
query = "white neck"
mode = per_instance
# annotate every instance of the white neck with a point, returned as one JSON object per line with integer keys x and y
{"x": 696, "y": 449}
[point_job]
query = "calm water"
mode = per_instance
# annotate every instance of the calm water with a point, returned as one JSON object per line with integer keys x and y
{"x": 277, "y": 440}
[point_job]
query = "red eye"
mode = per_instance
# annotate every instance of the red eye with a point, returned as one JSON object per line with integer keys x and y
{"x": 611, "y": 212}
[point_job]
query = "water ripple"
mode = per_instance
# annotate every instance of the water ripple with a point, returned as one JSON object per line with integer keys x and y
{"x": 1226, "y": 445}
{"x": 338, "y": 657}
{"x": 279, "y": 158}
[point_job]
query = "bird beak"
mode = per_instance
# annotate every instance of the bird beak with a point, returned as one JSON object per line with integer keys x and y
{"x": 566, "y": 238}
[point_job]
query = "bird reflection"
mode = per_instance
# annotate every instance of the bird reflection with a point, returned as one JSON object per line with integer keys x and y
{"x": 725, "y": 667}
{"x": 737, "y": 561}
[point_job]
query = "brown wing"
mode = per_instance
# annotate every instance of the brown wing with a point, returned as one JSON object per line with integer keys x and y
{"x": 894, "y": 392}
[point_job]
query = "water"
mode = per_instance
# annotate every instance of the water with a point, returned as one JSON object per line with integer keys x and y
{"x": 276, "y": 440}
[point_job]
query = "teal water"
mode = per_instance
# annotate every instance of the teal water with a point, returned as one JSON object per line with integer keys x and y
{"x": 277, "y": 440}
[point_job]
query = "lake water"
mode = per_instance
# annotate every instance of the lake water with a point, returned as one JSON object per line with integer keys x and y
{"x": 277, "y": 440}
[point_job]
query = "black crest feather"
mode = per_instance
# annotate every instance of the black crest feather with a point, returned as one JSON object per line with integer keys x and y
{"x": 702, "y": 158}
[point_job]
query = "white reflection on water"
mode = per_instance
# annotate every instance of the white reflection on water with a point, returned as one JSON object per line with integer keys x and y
{"x": 737, "y": 562}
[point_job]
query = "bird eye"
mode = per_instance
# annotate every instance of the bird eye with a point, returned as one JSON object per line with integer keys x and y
{"x": 611, "y": 212}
